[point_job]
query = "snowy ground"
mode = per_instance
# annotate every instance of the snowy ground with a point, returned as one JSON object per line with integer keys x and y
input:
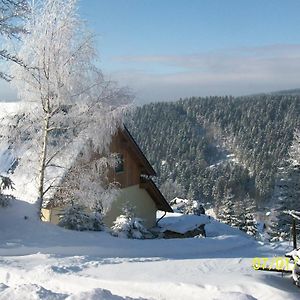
{"x": 43, "y": 261}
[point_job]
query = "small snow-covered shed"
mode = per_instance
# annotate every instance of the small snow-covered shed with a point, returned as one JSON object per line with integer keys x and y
{"x": 177, "y": 225}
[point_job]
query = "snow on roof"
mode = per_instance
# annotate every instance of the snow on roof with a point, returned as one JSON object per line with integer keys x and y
{"x": 179, "y": 200}
{"x": 180, "y": 223}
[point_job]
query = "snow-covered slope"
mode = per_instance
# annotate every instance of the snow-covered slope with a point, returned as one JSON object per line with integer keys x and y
{"x": 25, "y": 174}
{"x": 42, "y": 261}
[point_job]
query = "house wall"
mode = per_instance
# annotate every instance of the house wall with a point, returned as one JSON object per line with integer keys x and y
{"x": 132, "y": 171}
{"x": 144, "y": 207}
{"x": 46, "y": 214}
{"x": 52, "y": 214}
{"x": 129, "y": 180}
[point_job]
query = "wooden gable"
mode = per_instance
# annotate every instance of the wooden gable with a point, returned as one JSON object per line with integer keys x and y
{"x": 134, "y": 162}
{"x": 136, "y": 168}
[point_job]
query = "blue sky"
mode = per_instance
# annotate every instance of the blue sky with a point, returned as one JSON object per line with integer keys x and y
{"x": 147, "y": 27}
{"x": 166, "y": 49}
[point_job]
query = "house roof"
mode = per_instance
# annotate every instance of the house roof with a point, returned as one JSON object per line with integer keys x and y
{"x": 144, "y": 163}
{"x": 146, "y": 168}
{"x": 181, "y": 223}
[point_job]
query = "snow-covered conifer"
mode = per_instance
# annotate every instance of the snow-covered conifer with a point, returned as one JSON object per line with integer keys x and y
{"x": 247, "y": 219}
{"x": 286, "y": 193}
{"x": 5, "y": 184}
{"x": 226, "y": 211}
{"x": 129, "y": 226}
{"x": 76, "y": 217}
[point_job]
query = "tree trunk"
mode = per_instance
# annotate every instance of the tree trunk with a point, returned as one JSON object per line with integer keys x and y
{"x": 43, "y": 160}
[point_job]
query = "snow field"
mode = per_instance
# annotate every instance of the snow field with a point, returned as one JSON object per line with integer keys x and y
{"x": 43, "y": 261}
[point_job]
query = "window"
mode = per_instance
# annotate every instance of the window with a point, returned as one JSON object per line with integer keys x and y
{"x": 120, "y": 163}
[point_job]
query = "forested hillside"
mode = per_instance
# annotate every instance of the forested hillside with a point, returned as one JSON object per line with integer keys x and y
{"x": 219, "y": 149}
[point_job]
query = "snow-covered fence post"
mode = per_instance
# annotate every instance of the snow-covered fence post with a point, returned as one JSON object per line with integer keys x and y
{"x": 296, "y": 216}
{"x": 294, "y": 233}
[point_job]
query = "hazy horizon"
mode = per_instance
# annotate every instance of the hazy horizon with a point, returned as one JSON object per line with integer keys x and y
{"x": 164, "y": 50}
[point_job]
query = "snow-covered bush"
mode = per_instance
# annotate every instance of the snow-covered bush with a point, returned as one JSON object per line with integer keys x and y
{"x": 129, "y": 226}
{"x": 5, "y": 200}
{"x": 5, "y": 184}
{"x": 75, "y": 217}
{"x": 96, "y": 221}
{"x": 87, "y": 189}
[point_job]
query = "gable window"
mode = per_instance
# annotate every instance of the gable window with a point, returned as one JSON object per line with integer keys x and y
{"x": 120, "y": 163}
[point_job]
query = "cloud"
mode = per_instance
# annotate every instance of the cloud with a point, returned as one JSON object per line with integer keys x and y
{"x": 235, "y": 72}
{"x": 239, "y": 71}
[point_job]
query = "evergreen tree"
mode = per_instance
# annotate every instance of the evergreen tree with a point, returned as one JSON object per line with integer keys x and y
{"x": 75, "y": 217}
{"x": 226, "y": 212}
{"x": 129, "y": 226}
{"x": 212, "y": 144}
{"x": 247, "y": 217}
{"x": 5, "y": 184}
{"x": 287, "y": 192}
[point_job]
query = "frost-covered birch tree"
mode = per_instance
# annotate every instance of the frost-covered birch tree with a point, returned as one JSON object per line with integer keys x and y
{"x": 12, "y": 12}
{"x": 71, "y": 103}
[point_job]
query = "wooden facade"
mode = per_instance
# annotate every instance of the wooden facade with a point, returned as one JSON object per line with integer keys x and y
{"x": 130, "y": 175}
{"x": 134, "y": 162}
{"x": 136, "y": 168}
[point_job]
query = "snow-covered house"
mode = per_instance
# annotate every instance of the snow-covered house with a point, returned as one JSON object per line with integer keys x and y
{"x": 133, "y": 173}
